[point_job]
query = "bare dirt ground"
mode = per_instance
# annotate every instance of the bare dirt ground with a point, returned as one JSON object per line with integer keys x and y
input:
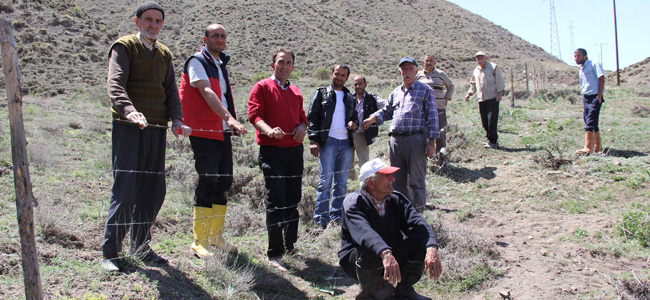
{"x": 540, "y": 254}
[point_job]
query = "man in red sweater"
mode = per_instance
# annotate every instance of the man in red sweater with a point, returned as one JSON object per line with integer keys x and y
{"x": 275, "y": 109}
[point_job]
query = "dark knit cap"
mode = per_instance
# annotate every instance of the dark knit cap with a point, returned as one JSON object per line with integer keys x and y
{"x": 149, "y": 5}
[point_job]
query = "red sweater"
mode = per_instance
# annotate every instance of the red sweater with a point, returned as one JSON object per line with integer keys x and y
{"x": 278, "y": 108}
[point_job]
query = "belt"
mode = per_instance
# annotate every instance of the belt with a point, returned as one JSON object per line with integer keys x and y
{"x": 410, "y": 133}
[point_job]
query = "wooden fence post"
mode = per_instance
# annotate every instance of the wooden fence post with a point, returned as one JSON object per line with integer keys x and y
{"x": 527, "y": 89}
{"x": 512, "y": 89}
{"x": 24, "y": 198}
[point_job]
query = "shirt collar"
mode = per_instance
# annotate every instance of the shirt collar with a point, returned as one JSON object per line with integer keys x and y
{"x": 147, "y": 44}
{"x": 365, "y": 193}
{"x": 283, "y": 86}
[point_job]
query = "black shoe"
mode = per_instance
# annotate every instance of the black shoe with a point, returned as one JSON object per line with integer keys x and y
{"x": 151, "y": 257}
{"x": 410, "y": 294}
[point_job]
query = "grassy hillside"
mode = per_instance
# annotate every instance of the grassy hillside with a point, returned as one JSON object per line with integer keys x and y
{"x": 530, "y": 218}
{"x": 63, "y": 44}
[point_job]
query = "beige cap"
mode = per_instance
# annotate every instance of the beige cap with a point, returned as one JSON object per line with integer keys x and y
{"x": 480, "y": 53}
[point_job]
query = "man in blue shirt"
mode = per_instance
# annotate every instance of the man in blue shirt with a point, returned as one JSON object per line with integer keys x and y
{"x": 592, "y": 86}
{"x": 412, "y": 107}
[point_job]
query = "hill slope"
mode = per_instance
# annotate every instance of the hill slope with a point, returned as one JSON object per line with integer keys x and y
{"x": 635, "y": 75}
{"x": 63, "y": 44}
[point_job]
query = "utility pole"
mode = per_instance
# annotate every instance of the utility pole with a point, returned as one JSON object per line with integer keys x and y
{"x": 618, "y": 78}
{"x": 573, "y": 47}
{"x": 555, "y": 39}
{"x": 601, "y": 51}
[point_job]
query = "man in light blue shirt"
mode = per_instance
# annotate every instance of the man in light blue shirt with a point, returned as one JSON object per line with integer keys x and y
{"x": 413, "y": 132}
{"x": 592, "y": 85}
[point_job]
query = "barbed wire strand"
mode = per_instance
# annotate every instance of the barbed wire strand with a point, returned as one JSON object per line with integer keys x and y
{"x": 268, "y": 210}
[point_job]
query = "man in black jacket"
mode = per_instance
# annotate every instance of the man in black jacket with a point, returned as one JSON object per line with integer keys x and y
{"x": 331, "y": 120}
{"x": 375, "y": 219}
{"x": 365, "y": 105}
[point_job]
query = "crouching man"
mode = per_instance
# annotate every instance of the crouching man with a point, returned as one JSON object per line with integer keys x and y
{"x": 373, "y": 247}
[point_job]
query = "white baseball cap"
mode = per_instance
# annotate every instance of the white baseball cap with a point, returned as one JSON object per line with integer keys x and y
{"x": 375, "y": 166}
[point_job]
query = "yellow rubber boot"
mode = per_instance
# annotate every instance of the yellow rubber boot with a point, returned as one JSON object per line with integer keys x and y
{"x": 598, "y": 147}
{"x": 216, "y": 229}
{"x": 200, "y": 227}
{"x": 589, "y": 144}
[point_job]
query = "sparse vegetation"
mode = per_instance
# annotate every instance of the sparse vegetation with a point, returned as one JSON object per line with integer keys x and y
{"x": 322, "y": 73}
{"x": 497, "y": 211}
{"x": 636, "y": 223}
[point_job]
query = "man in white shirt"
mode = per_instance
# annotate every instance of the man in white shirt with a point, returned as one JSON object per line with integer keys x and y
{"x": 488, "y": 84}
{"x": 332, "y": 120}
{"x": 592, "y": 86}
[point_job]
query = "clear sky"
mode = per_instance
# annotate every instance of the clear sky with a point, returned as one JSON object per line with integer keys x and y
{"x": 593, "y": 24}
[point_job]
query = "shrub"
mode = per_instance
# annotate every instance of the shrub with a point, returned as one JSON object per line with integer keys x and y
{"x": 636, "y": 224}
{"x": 6, "y": 7}
{"x": 641, "y": 111}
{"x": 259, "y": 76}
{"x": 322, "y": 73}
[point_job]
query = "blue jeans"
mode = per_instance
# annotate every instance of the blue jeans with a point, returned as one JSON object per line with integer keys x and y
{"x": 333, "y": 163}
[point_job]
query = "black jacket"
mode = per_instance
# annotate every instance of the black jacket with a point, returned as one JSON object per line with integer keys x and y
{"x": 362, "y": 226}
{"x": 369, "y": 107}
{"x": 321, "y": 110}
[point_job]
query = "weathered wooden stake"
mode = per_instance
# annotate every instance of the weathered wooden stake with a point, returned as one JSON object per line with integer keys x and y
{"x": 24, "y": 197}
{"x": 527, "y": 89}
{"x": 512, "y": 89}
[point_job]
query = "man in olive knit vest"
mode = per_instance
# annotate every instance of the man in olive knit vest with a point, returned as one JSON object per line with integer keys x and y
{"x": 142, "y": 87}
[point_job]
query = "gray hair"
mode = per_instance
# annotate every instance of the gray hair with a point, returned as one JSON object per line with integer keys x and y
{"x": 364, "y": 183}
{"x": 429, "y": 54}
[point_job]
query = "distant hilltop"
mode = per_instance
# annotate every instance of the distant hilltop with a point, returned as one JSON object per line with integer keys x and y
{"x": 63, "y": 45}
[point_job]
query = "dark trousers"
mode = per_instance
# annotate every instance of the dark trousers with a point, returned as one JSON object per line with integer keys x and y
{"x": 213, "y": 163}
{"x": 137, "y": 197}
{"x": 409, "y": 154}
{"x": 408, "y": 254}
{"x": 441, "y": 142}
{"x": 282, "y": 169}
{"x": 490, "y": 117}
{"x": 591, "y": 112}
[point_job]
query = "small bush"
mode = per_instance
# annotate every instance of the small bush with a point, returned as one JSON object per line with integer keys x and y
{"x": 259, "y": 76}
{"x": 322, "y": 73}
{"x": 641, "y": 111}
{"x": 638, "y": 289}
{"x": 6, "y": 7}
{"x": 18, "y": 24}
{"x": 295, "y": 75}
{"x": 636, "y": 224}
{"x": 548, "y": 159}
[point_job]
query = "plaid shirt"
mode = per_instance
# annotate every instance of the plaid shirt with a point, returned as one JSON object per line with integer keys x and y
{"x": 283, "y": 86}
{"x": 411, "y": 110}
{"x": 380, "y": 205}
